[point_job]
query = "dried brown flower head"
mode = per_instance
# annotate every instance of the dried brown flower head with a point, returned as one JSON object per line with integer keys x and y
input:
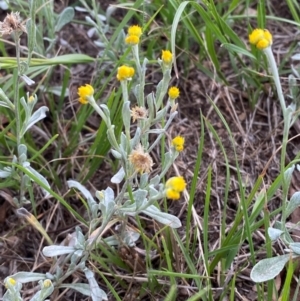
{"x": 141, "y": 161}
{"x": 138, "y": 113}
{"x": 11, "y": 23}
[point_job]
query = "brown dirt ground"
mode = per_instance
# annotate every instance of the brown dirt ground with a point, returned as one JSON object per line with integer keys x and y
{"x": 256, "y": 131}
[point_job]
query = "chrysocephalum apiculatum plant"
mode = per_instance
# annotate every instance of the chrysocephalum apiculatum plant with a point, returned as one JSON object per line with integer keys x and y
{"x": 139, "y": 189}
{"x": 269, "y": 268}
{"x": 13, "y": 25}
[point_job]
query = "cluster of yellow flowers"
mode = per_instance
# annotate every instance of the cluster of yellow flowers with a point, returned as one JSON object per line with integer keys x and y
{"x": 140, "y": 160}
{"x": 84, "y": 93}
{"x": 174, "y": 186}
{"x": 125, "y": 73}
{"x": 261, "y": 38}
{"x": 167, "y": 57}
{"x": 173, "y": 93}
{"x": 133, "y": 36}
{"x": 178, "y": 143}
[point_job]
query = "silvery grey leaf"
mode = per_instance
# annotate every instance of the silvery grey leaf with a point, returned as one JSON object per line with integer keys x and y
{"x": 162, "y": 217}
{"x": 22, "y": 149}
{"x": 268, "y": 268}
{"x": 5, "y": 173}
{"x": 126, "y": 115}
{"x": 65, "y": 17}
{"x": 288, "y": 175}
{"x": 118, "y": 177}
{"x": 36, "y": 116}
{"x": 87, "y": 195}
{"x": 296, "y": 57}
{"x": 82, "y": 288}
{"x": 41, "y": 178}
{"x": 155, "y": 181}
{"x": 136, "y": 139}
{"x": 25, "y": 277}
{"x": 293, "y": 203}
{"x": 144, "y": 180}
{"x": 295, "y": 247}
{"x": 51, "y": 251}
{"x": 274, "y": 234}
{"x": 5, "y": 105}
{"x": 116, "y": 154}
{"x": 97, "y": 293}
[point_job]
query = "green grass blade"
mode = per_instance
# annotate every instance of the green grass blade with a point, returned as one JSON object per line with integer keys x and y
{"x": 194, "y": 184}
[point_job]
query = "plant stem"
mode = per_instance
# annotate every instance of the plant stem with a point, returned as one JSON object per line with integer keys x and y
{"x": 16, "y": 90}
{"x": 287, "y": 123}
{"x": 17, "y": 109}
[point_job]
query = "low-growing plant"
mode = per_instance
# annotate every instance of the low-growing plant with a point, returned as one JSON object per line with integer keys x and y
{"x": 139, "y": 191}
{"x": 269, "y": 268}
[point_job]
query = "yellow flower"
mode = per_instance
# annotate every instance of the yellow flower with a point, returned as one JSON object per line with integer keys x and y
{"x": 125, "y": 73}
{"x": 132, "y": 40}
{"x": 176, "y": 183}
{"x": 172, "y": 194}
{"x": 31, "y": 98}
{"x": 135, "y": 30}
{"x": 178, "y": 143}
{"x": 173, "y": 92}
{"x": 261, "y": 38}
{"x": 47, "y": 283}
{"x": 141, "y": 161}
{"x": 167, "y": 57}
{"x": 10, "y": 281}
{"x": 84, "y": 93}
{"x": 174, "y": 186}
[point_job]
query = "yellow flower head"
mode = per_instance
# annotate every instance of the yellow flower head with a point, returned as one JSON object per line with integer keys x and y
{"x": 10, "y": 282}
{"x": 141, "y": 161}
{"x": 132, "y": 40}
{"x": 135, "y": 30}
{"x": 167, "y": 57}
{"x": 47, "y": 283}
{"x": 173, "y": 92}
{"x": 178, "y": 143}
{"x": 31, "y": 98}
{"x": 84, "y": 93}
{"x": 125, "y": 73}
{"x": 172, "y": 194}
{"x": 174, "y": 186}
{"x": 261, "y": 38}
{"x": 176, "y": 183}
